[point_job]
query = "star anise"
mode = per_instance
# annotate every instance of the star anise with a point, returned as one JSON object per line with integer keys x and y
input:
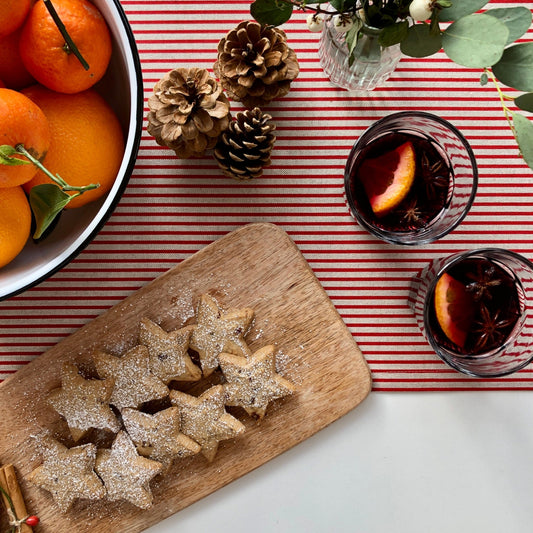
{"x": 490, "y": 329}
{"x": 435, "y": 176}
{"x": 484, "y": 278}
{"x": 412, "y": 214}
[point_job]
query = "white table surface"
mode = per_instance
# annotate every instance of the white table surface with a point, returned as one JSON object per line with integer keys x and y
{"x": 400, "y": 462}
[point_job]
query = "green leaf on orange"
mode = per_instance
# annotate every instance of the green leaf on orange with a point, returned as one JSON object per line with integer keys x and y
{"x": 47, "y": 201}
{"x": 6, "y": 156}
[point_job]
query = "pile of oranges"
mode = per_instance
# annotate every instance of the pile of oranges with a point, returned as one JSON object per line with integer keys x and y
{"x": 49, "y": 106}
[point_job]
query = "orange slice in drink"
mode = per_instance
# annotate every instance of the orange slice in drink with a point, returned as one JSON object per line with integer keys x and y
{"x": 388, "y": 178}
{"x": 454, "y": 308}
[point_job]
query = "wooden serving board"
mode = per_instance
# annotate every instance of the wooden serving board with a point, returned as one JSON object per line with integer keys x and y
{"x": 256, "y": 266}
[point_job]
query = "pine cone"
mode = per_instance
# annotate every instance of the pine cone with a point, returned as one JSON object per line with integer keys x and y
{"x": 255, "y": 65}
{"x": 188, "y": 111}
{"x": 243, "y": 150}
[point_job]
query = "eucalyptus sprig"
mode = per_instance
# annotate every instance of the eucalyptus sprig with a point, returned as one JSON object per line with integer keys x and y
{"x": 484, "y": 40}
{"x": 47, "y": 200}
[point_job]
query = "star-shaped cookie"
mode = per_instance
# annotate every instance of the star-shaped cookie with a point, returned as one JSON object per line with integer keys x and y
{"x": 252, "y": 382}
{"x": 83, "y": 403}
{"x": 134, "y": 383}
{"x": 217, "y": 331}
{"x": 126, "y": 475}
{"x": 159, "y": 436}
{"x": 169, "y": 359}
{"x": 68, "y": 474}
{"x": 205, "y": 420}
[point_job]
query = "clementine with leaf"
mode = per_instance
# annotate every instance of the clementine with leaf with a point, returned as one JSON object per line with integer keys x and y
{"x": 87, "y": 143}
{"x": 51, "y": 60}
{"x": 21, "y": 122}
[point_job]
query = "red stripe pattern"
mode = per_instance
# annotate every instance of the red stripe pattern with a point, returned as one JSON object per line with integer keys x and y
{"x": 173, "y": 208}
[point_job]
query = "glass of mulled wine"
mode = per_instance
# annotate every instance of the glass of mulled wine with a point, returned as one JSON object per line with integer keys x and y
{"x": 410, "y": 178}
{"x": 476, "y": 310}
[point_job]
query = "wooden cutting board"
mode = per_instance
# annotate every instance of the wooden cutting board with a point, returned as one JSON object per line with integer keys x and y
{"x": 256, "y": 266}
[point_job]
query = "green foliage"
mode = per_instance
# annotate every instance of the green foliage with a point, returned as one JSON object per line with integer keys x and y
{"x": 525, "y": 102}
{"x": 273, "y": 12}
{"x": 515, "y": 68}
{"x": 421, "y": 41}
{"x": 394, "y": 34}
{"x": 524, "y": 136}
{"x": 47, "y": 201}
{"x": 517, "y": 20}
{"x": 475, "y": 41}
{"x": 472, "y": 39}
{"x": 6, "y": 156}
{"x": 461, "y": 8}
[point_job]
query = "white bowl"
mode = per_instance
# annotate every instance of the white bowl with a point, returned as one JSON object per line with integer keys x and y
{"x": 122, "y": 87}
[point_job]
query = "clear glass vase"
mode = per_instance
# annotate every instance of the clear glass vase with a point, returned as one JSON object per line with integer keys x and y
{"x": 372, "y": 66}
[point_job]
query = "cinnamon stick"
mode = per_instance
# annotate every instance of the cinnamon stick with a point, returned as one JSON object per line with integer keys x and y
{"x": 9, "y": 482}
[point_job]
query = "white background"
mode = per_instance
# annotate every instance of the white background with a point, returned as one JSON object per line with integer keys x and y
{"x": 399, "y": 462}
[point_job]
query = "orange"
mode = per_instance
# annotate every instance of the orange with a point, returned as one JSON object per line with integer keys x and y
{"x": 15, "y": 223}
{"x": 12, "y": 15}
{"x": 12, "y": 69}
{"x": 454, "y": 308}
{"x": 21, "y": 122}
{"x": 87, "y": 143}
{"x": 48, "y": 58}
{"x": 388, "y": 178}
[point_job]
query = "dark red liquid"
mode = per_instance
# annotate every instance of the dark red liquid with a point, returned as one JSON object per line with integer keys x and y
{"x": 428, "y": 194}
{"x": 495, "y": 303}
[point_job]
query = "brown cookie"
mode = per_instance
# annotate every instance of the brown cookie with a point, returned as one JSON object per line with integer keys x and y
{"x": 126, "y": 475}
{"x": 159, "y": 436}
{"x": 252, "y": 382}
{"x": 134, "y": 383}
{"x": 169, "y": 358}
{"x": 83, "y": 403}
{"x": 217, "y": 331}
{"x": 68, "y": 474}
{"x": 205, "y": 420}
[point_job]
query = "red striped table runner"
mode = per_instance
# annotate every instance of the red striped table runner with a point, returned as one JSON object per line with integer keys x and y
{"x": 173, "y": 208}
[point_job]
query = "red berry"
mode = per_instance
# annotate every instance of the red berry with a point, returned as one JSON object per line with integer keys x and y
{"x": 32, "y": 520}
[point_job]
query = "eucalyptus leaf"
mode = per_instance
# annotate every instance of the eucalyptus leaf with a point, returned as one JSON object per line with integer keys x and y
{"x": 525, "y": 102}
{"x": 517, "y": 20}
{"x": 484, "y": 78}
{"x": 421, "y": 41}
{"x": 6, "y": 156}
{"x": 475, "y": 41}
{"x": 461, "y": 8}
{"x": 47, "y": 201}
{"x": 394, "y": 34}
{"x": 524, "y": 136}
{"x": 352, "y": 35}
{"x": 273, "y": 12}
{"x": 337, "y": 4}
{"x": 515, "y": 68}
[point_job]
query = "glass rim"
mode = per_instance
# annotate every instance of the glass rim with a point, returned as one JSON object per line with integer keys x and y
{"x": 450, "y": 261}
{"x": 417, "y": 236}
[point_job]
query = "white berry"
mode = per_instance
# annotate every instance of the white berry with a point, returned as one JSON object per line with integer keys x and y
{"x": 342, "y": 23}
{"x": 315, "y": 22}
{"x": 421, "y": 10}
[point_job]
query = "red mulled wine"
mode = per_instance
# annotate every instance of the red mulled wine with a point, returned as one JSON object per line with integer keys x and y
{"x": 488, "y": 310}
{"x": 428, "y": 194}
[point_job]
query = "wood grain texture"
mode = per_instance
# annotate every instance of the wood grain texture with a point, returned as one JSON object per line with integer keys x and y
{"x": 255, "y": 266}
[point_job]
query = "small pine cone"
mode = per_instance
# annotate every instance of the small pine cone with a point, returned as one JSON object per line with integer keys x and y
{"x": 243, "y": 150}
{"x": 255, "y": 65}
{"x": 188, "y": 111}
